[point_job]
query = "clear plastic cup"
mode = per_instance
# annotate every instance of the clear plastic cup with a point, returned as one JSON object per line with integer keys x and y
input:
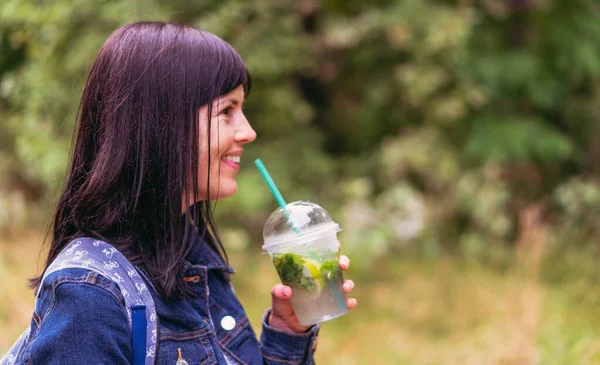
{"x": 302, "y": 243}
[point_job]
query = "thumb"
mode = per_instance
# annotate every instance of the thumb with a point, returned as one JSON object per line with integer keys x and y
{"x": 282, "y": 314}
{"x": 281, "y": 295}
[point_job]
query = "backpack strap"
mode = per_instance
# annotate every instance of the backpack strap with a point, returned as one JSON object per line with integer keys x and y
{"x": 103, "y": 258}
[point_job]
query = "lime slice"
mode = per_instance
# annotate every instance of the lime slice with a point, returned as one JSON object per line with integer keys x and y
{"x": 311, "y": 269}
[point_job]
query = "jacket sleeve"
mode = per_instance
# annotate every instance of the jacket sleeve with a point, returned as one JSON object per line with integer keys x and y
{"x": 284, "y": 348}
{"x": 81, "y": 323}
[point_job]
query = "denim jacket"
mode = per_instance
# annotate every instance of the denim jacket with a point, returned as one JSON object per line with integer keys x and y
{"x": 80, "y": 318}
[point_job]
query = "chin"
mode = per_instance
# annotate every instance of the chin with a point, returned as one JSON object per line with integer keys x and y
{"x": 225, "y": 191}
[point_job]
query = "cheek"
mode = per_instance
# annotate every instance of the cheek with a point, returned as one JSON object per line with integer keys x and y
{"x": 213, "y": 153}
{"x": 217, "y": 143}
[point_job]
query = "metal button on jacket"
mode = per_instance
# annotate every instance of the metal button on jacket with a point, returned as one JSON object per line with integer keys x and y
{"x": 228, "y": 323}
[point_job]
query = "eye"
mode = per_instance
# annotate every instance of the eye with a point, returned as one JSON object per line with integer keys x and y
{"x": 226, "y": 111}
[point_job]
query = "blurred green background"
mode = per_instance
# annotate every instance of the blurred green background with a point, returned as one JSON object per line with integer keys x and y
{"x": 456, "y": 142}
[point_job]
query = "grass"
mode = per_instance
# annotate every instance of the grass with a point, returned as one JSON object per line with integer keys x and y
{"x": 19, "y": 256}
{"x": 410, "y": 311}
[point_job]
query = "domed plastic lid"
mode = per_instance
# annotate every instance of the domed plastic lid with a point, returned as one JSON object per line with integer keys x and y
{"x": 304, "y": 221}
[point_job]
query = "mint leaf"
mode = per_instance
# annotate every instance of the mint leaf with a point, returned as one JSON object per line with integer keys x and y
{"x": 290, "y": 267}
{"x": 331, "y": 270}
{"x": 307, "y": 283}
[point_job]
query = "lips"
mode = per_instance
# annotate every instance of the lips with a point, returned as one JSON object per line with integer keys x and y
{"x": 234, "y": 159}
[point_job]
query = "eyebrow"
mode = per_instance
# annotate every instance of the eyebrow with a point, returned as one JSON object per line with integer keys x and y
{"x": 231, "y": 100}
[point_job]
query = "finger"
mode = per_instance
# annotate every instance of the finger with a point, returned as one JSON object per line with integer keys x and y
{"x": 348, "y": 286}
{"x": 351, "y": 303}
{"x": 281, "y": 291}
{"x": 282, "y": 314}
{"x": 344, "y": 262}
{"x": 339, "y": 246}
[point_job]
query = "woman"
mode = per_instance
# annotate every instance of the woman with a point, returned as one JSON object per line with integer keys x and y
{"x": 160, "y": 134}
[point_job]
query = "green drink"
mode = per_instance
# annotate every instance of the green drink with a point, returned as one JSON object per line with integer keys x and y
{"x": 302, "y": 242}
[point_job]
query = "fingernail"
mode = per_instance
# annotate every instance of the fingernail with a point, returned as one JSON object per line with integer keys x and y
{"x": 287, "y": 292}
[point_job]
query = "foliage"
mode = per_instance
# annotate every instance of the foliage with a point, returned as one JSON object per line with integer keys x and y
{"x": 417, "y": 123}
{"x": 427, "y": 127}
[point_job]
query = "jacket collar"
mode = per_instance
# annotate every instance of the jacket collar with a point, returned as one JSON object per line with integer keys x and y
{"x": 203, "y": 255}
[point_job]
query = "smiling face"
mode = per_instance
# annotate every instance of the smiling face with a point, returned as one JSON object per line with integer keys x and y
{"x": 230, "y": 131}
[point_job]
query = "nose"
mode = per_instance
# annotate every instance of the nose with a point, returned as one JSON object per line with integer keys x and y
{"x": 245, "y": 133}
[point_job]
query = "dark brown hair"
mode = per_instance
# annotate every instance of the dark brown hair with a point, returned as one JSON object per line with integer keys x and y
{"x": 136, "y": 152}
